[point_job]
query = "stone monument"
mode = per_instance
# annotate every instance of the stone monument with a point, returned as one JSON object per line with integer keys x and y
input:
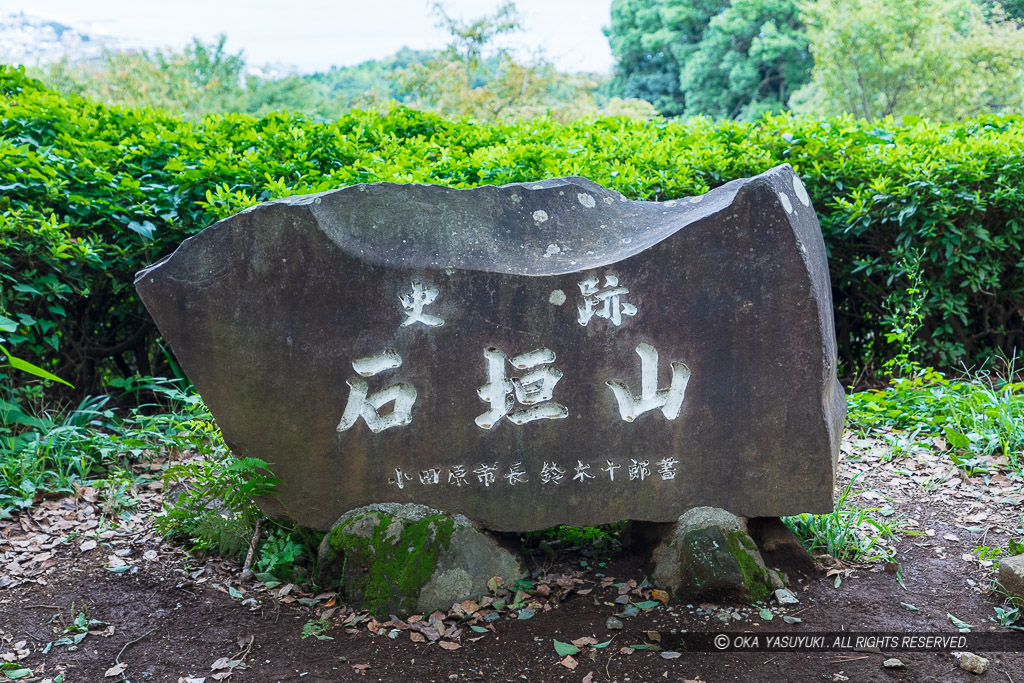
{"x": 528, "y": 355}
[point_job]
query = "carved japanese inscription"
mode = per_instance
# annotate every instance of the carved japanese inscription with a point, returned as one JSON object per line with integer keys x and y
{"x": 528, "y": 355}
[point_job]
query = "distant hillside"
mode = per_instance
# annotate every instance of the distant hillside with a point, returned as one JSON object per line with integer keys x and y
{"x": 28, "y": 39}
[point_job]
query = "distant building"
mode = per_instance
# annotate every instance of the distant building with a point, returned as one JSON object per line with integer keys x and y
{"x": 31, "y": 40}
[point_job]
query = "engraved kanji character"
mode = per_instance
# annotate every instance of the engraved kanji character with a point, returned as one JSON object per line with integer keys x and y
{"x": 413, "y": 303}
{"x": 667, "y": 468}
{"x": 485, "y": 473}
{"x": 639, "y": 469}
{"x": 400, "y": 478}
{"x": 582, "y": 473}
{"x": 457, "y": 475}
{"x": 610, "y": 469}
{"x": 550, "y": 472}
{"x": 367, "y": 406}
{"x": 431, "y": 476}
{"x": 516, "y": 475}
{"x": 669, "y": 400}
{"x": 609, "y": 300}
{"x": 534, "y": 389}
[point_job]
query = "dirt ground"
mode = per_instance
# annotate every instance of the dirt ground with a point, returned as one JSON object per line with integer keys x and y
{"x": 146, "y": 611}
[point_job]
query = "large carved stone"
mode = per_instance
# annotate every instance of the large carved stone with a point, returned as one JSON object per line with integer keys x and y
{"x": 528, "y": 355}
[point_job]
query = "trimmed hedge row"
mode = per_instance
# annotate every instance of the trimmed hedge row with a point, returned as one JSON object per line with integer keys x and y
{"x": 91, "y": 193}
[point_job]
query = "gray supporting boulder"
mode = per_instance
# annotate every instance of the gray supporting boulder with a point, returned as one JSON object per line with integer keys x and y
{"x": 708, "y": 554}
{"x": 528, "y": 355}
{"x": 408, "y": 559}
{"x": 1011, "y": 576}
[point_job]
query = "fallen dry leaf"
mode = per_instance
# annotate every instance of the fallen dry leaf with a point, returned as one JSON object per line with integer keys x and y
{"x": 115, "y": 670}
{"x": 449, "y": 645}
{"x": 569, "y": 662}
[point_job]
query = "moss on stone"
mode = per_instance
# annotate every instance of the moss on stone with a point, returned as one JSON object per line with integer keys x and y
{"x": 382, "y": 572}
{"x": 754, "y": 576}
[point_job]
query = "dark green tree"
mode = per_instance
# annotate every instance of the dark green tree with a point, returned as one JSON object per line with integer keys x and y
{"x": 646, "y": 67}
{"x": 724, "y": 58}
{"x": 751, "y": 58}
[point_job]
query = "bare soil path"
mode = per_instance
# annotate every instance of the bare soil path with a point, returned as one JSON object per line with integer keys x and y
{"x": 89, "y": 592}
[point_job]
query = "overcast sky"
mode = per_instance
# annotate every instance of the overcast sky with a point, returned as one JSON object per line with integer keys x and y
{"x": 315, "y": 34}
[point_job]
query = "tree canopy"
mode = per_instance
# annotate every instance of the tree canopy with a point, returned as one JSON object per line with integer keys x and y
{"x": 943, "y": 59}
{"x": 724, "y": 58}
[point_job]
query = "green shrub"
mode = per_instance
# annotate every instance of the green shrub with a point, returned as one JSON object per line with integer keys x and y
{"x": 977, "y": 416}
{"x": 92, "y": 193}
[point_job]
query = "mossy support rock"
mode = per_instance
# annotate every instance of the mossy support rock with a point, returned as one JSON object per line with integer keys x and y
{"x": 403, "y": 559}
{"x": 1011, "y": 575}
{"x": 709, "y": 554}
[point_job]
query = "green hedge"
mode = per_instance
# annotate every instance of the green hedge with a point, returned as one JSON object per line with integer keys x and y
{"x": 92, "y": 193}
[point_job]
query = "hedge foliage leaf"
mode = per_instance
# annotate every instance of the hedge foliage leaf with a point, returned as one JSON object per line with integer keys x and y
{"x": 92, "y": 193}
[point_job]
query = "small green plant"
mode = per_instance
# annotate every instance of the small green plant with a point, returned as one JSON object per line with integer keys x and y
{"x": 905, "y": 317}
{"x": 71, "y": 633}
{"x": 279, "y": 553}
{"x": 215, "y": 501}
{"x": 1012, "y": 548}
{"x": 316, "y": 628}
{"x": 601, "y": 539}
{"x": 847, "y": 532}
{"x": 1011, "y": 613}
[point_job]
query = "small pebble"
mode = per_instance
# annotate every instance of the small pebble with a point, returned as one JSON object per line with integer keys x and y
{"x": 972, "y": 662}
{"x": 784, "y": 597}
{"x": 791, "y": 620}
{"x": 613, "y": 624}
{"x": 893, "y": 663}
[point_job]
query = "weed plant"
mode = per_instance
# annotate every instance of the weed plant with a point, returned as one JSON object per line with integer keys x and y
{"x": 51, "y": 450}
{"x": 846, "y": 533}
{"x": 979, "y": 415}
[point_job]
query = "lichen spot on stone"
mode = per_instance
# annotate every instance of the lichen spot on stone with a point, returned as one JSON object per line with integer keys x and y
{"x": 540, "y": 215}
{"x": 609, "y": 200}
{"x": 786, "y": 204}
{"x": 801, "y": 192}
{"x": 515, "y": 199}
{"x": 670, "y": 203}
{"x": 557, "y": 297}
{"x": 552, "y": 249}
{"x": 586, "y": 200}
